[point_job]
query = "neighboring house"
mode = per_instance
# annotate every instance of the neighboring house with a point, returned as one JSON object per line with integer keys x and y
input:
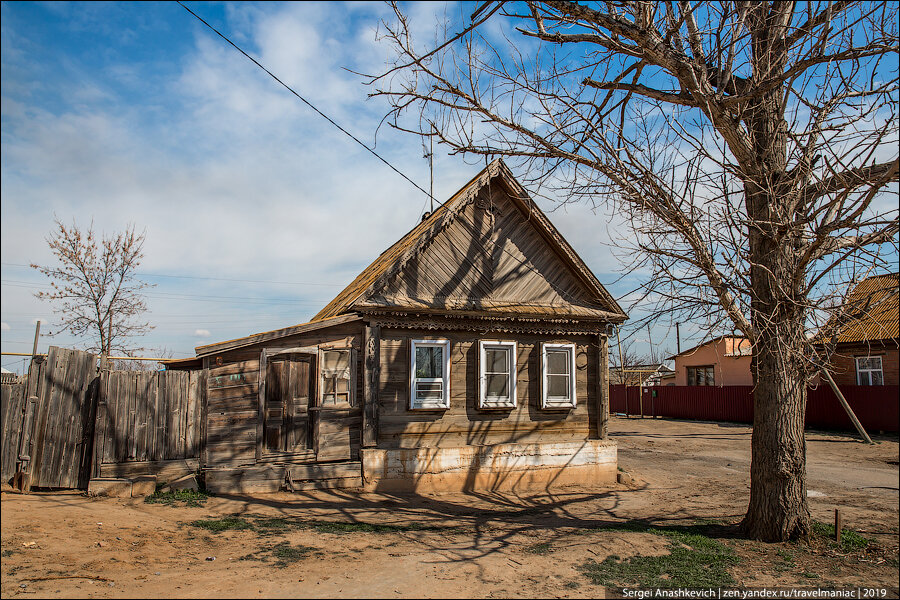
{"x": 866, "y": 338}
{"x": 721, "y": 361}
{"x": 649, "y": 374}
{"x": 471, "y": 354}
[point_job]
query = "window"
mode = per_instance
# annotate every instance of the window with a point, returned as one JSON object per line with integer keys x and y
{"x": 868, "y": 370}
{"x": 704, "y": 375}
{"x": 336, "y": 378}
{"x": 429, "y": 381}
{"x": 497, "y": 362}
{"x": 558, "y": 370}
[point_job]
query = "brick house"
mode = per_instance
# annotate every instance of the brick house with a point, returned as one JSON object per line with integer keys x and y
{"x": 866, "y": 344}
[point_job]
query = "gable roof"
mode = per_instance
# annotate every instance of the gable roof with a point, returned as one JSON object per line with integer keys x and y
{"x": 872, "y": 309}
{"x": 363, "y": 292}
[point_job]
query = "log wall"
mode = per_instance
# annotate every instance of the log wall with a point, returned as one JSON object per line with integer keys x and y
{"x": 464, "y": 423}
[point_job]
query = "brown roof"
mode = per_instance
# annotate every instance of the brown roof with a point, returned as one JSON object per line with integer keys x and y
{"x": 871, "y": 310}
{"x": 394, "y": 258}
{"x": 273, "y": 335}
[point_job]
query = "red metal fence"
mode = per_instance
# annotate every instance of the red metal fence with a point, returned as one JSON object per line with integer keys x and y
{"x": 877, "y": 407}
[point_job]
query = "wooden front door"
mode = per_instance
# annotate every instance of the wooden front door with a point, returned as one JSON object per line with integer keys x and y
{"x": 287, "y": 400}
{"x": 335, "y": 401}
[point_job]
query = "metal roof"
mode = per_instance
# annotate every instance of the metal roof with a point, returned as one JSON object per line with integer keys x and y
{"x": 873, "y": 311}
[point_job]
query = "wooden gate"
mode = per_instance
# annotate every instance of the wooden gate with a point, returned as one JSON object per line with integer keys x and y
{"x": 58, "y": 426}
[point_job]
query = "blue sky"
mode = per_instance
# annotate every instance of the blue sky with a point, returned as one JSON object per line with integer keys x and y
{"x": 256, "y": 210}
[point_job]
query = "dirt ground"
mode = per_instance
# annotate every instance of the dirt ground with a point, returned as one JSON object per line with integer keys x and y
{"x": 344, "y": 544}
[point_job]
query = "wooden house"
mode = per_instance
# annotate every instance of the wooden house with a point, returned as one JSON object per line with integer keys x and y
{"x": 471, "y": 354}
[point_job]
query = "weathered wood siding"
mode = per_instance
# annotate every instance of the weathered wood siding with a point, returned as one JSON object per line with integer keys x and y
{"x": 464, "y": 423}
{"x": 489, "y": 257}
{"x": 233, "y": 411}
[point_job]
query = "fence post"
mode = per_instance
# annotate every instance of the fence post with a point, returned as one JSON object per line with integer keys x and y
{"x": 100, "y": 417}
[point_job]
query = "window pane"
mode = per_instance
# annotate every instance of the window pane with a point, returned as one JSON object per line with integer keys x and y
{"x": 335, "y": 361}
{"x": 497, "y": 386}
{"x": 864, "y": 378}
{"x": 496, "y": 360}
{"x": 557, "y": 386}
{"x": 558, "y": 362}
{"x": 429, "y": 361}
{"x": 430, "y": 390}
{"x": 877, "y": 378}
{"x": 692, "y": 376}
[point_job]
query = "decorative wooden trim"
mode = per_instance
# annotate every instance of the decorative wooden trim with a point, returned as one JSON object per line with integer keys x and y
{"x": 371, "y": 368}
{"x": 603, "y": 383}
{"x": 486, "y": 326}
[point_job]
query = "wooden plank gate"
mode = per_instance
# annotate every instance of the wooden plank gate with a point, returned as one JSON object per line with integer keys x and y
{"x": 48, "y": 422}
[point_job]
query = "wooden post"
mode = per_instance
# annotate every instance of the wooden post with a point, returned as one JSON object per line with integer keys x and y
{"x": 204, "y": 412}
{"x": 37, "y": 335}
{"x": 847, "y": 409}
{"x": 622, "y": 367}
{"x": 837, "y": 525}
{"x": 261, "y": 419}
{"x": 603, "y": 378}
{"x": 101, "y": 417}
{"x": 371, "y": 367}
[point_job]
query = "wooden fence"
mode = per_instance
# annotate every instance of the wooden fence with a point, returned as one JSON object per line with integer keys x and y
{"x": 148, "y": 422}
{"x": 876, "y": 407}
{"x": 66, "y": 423}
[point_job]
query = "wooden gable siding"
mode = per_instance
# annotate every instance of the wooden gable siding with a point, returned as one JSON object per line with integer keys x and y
{"x": 490, "y": 258}
{"x": 232, "y": 414}
{"x": 464, "y": 423}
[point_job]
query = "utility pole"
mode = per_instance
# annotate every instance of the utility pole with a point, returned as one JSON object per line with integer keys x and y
{"x": 678, "y": 338}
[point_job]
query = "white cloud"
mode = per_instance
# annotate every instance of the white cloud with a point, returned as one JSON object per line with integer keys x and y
{"x": 231, "y": 176}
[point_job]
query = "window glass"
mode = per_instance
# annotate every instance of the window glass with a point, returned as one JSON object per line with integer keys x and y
{"x": 557, "y": 362}
{"x": 558, "y": 386}
{"x": 335, "y": 373}
{"x": 429, "y": 361}
{"x": 868, "y": 370}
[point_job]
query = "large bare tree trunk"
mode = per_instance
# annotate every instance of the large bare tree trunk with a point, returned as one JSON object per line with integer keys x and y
{"x": 778, "y": 509}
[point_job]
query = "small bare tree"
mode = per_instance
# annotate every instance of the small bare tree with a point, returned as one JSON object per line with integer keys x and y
{"x": 750, "y": 147}
{"x": 95, "y": 291}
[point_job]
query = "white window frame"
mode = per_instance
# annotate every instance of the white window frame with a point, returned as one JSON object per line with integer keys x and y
{"x": 498, "y": 402}
{"x": 427, "y": 403}
{"x": 869, "y": 372}
{"x": 556, "y": 403}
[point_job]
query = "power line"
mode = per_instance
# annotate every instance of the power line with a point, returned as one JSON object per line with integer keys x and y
{"x": 307, "y": 102}
{"x": 143, "y": 274}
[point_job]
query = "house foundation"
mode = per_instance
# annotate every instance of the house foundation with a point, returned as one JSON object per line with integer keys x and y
{"x": 533, "y": 467}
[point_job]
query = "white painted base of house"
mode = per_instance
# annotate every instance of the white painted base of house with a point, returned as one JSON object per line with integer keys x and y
{"x": 502, "y": 467}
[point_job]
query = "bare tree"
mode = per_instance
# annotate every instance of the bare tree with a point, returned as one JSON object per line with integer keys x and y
{"x": 751, "y": 146}
{"x": 95, "y": 291}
